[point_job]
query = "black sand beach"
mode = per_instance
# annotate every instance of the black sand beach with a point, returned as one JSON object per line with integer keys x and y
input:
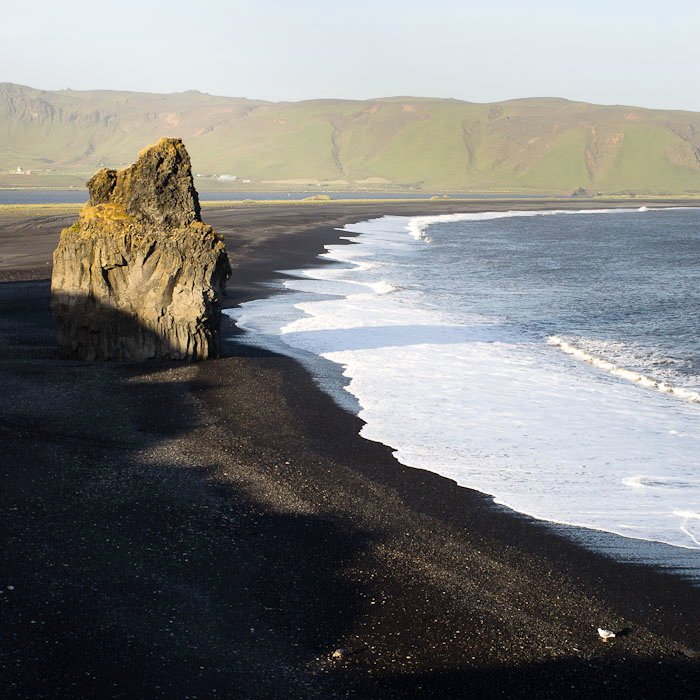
{"x": 217, "y": 530}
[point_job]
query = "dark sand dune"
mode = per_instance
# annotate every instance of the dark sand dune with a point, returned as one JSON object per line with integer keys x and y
{"x": 218, "y": 529}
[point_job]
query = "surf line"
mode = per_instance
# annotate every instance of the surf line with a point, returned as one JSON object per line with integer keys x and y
{"x": 417, "y": 225}
{"x": 627, "y": 374}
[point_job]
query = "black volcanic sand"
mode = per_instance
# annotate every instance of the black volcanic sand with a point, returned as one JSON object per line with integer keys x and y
{"x": 217, "y": 530}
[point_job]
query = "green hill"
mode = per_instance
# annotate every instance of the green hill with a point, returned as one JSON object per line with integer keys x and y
{"x": 539, "y": 144}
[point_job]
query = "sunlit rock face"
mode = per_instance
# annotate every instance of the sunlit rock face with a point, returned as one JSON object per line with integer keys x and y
{"x": 139, "y": 276}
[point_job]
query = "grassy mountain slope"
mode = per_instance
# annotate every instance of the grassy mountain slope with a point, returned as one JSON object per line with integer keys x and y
{"x": 532, "y": 144}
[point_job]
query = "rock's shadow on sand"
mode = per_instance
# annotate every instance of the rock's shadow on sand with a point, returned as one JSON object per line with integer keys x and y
{"x": 136, "y": 571}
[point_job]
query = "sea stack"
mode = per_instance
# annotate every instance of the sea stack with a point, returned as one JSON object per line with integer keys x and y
{"x": 139, "y": 276}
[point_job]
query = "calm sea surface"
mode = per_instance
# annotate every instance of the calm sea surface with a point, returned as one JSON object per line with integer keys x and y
{"x": 80, "y": 196}
{"x": 549, "y": 359}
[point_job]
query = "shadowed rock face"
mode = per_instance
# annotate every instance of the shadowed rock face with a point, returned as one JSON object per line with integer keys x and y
{"x": 139, "y": 276}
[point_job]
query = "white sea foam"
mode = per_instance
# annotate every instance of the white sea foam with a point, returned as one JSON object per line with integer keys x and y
{"x": 417, "y": 225}
{"x": 617, "y": 371}
{"x": 690, "y": 525}
{"x": 475, "y": 399}
{"x": 660, "y": 482}
{"x": 382, "y": 287}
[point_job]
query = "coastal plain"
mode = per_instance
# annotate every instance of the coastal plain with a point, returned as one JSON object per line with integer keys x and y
{"x": 219, "y": 529}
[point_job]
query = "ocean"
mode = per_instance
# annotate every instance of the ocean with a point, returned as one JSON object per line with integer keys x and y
{"x": 550, "y": 359}
{"x": 79, "y": 196}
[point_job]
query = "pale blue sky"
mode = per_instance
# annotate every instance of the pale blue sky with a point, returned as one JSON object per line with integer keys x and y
{"x": 610, "y": 52}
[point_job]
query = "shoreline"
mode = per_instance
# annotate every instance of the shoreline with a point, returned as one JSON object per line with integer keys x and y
{"x": 677, "y": 560}
{"x": 219, "y": 529}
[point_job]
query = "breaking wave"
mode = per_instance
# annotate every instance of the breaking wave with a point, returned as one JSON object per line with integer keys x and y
{"x": 417, "y": 225}
{"x": 621, "y": 372}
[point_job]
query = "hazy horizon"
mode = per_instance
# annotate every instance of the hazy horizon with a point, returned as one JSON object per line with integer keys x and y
{"x": 628, "y": 53}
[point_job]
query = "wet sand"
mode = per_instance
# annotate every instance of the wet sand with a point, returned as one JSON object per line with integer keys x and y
{"x": 219, "y": 529}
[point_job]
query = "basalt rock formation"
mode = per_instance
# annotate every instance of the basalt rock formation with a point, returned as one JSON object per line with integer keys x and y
{"x": 139, "y": 276}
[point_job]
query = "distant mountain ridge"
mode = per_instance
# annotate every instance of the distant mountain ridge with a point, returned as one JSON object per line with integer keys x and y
{"x": 543, "y": 144}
